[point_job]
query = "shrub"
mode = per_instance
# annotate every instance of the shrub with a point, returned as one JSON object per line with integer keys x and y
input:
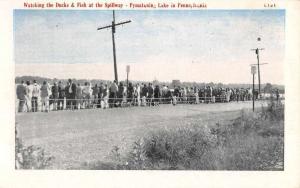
{"x": 274, "y": 110}
{"x": 253, "y": 141}
{"x": 30, "y": 157}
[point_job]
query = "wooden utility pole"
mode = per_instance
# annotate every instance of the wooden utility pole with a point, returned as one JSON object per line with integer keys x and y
{"x": 113, "y": 31}
{"x": 127, "y": 71}
{"x": 253, "y": 72}
{"x": 258, "y": 68}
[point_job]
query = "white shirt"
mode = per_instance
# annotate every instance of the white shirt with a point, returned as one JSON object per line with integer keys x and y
{"x": 36, "y": 90}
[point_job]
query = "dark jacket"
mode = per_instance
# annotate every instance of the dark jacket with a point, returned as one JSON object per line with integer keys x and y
{"x": 95, "y": 90}
{"x": 156, "y": 92}
{"x": 21, "y": 92}
{"x": 71, "y": 94}
{"x": 61, "y": 91}
{"x": 54, "y": 91}
{"x": 144, "y": 91}
{"x": 150, "y": 91}
{"x": 130, "y": 91}
{"x": 176, "y": 92}
{"x": 101, "y": 91}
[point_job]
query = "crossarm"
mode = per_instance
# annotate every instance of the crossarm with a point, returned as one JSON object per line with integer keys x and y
{"x": 121, "y": 23}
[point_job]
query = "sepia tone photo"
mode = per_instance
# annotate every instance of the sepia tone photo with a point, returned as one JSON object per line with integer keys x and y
{"x": 149, "y": 89}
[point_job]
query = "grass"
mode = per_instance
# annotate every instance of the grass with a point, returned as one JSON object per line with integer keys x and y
{"x": 73, "y": 137}
{"x": 253, "y": 141}
{"x": 185, "y": 137}
{"x": 30, "y": 157}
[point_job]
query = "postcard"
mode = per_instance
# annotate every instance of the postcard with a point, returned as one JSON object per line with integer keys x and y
{"x": 133, "y": 93}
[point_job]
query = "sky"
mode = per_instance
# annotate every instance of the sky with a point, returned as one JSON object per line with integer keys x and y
{"x": 189, "y": 45}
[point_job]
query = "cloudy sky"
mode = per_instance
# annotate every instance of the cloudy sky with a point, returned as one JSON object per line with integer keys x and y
{"x": 190, "y": 45}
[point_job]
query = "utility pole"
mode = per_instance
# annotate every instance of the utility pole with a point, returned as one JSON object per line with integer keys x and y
{"x": 254, "y": 65}
{"x": 253, "y": 72}
{"x": 127, "y": 71}
{"x": 258, "y": 65}
{"x": 113, "y": 31}
{"x": 258, "y": 68}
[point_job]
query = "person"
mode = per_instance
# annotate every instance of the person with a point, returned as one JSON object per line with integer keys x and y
{"x": 157, "y": 95}
{"x": 223, "y": 95}
{"x": 185, "y": 95}
{"x": 209, "y": 94}
{"x": 175, "y": 96}
{"x": 113, "y": 90}
{"x": 35, "y": 96}
{"x": 100, "y": 95}
{"x": 150, "y": 94}
{"x": 164, "y": 94}
{"x": 169, "y": 96}
{"x": 95, "y": 93}
{"x": 144, "y": 94}
{"x": 277, "y": 95}
{"x": 242, "y": 94}
{"x": 86, "y": 95}
{"x": 67, "y": 96}
{"x": 124, "y": 98}
{"x": 130, "y": 93}
{"x": 120, "y": 94}
{"x": 45, "y": 97}
{"x": 71, "y": 94}
{"x": 21, "y": 92}
{"x": 214, "y": 95}
{"x": 176, "y": 92}
{"x": 55, "y": 95}
{"x": 61, "y": 96}
{"x": 78, "y": 96}
{"x": 202, "y": 95}
{"x": 105, "y": 97}
{"x": 28, "y": 96}
{"x": 138, "y": 95}
{"x": 196, "y": 93}
{"x": 237, "y": 94}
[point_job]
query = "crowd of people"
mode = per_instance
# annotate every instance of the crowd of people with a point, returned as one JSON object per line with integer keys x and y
{"x": 35, "y": 97}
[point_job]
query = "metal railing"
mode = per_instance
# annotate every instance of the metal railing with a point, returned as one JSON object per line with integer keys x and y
{"x": 50, "y": 104}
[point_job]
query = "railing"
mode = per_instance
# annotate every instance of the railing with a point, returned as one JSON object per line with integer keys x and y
{"x": 49, "y": 104}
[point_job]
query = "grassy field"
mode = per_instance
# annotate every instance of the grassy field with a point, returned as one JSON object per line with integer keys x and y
{"x": 76, "y": 138}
